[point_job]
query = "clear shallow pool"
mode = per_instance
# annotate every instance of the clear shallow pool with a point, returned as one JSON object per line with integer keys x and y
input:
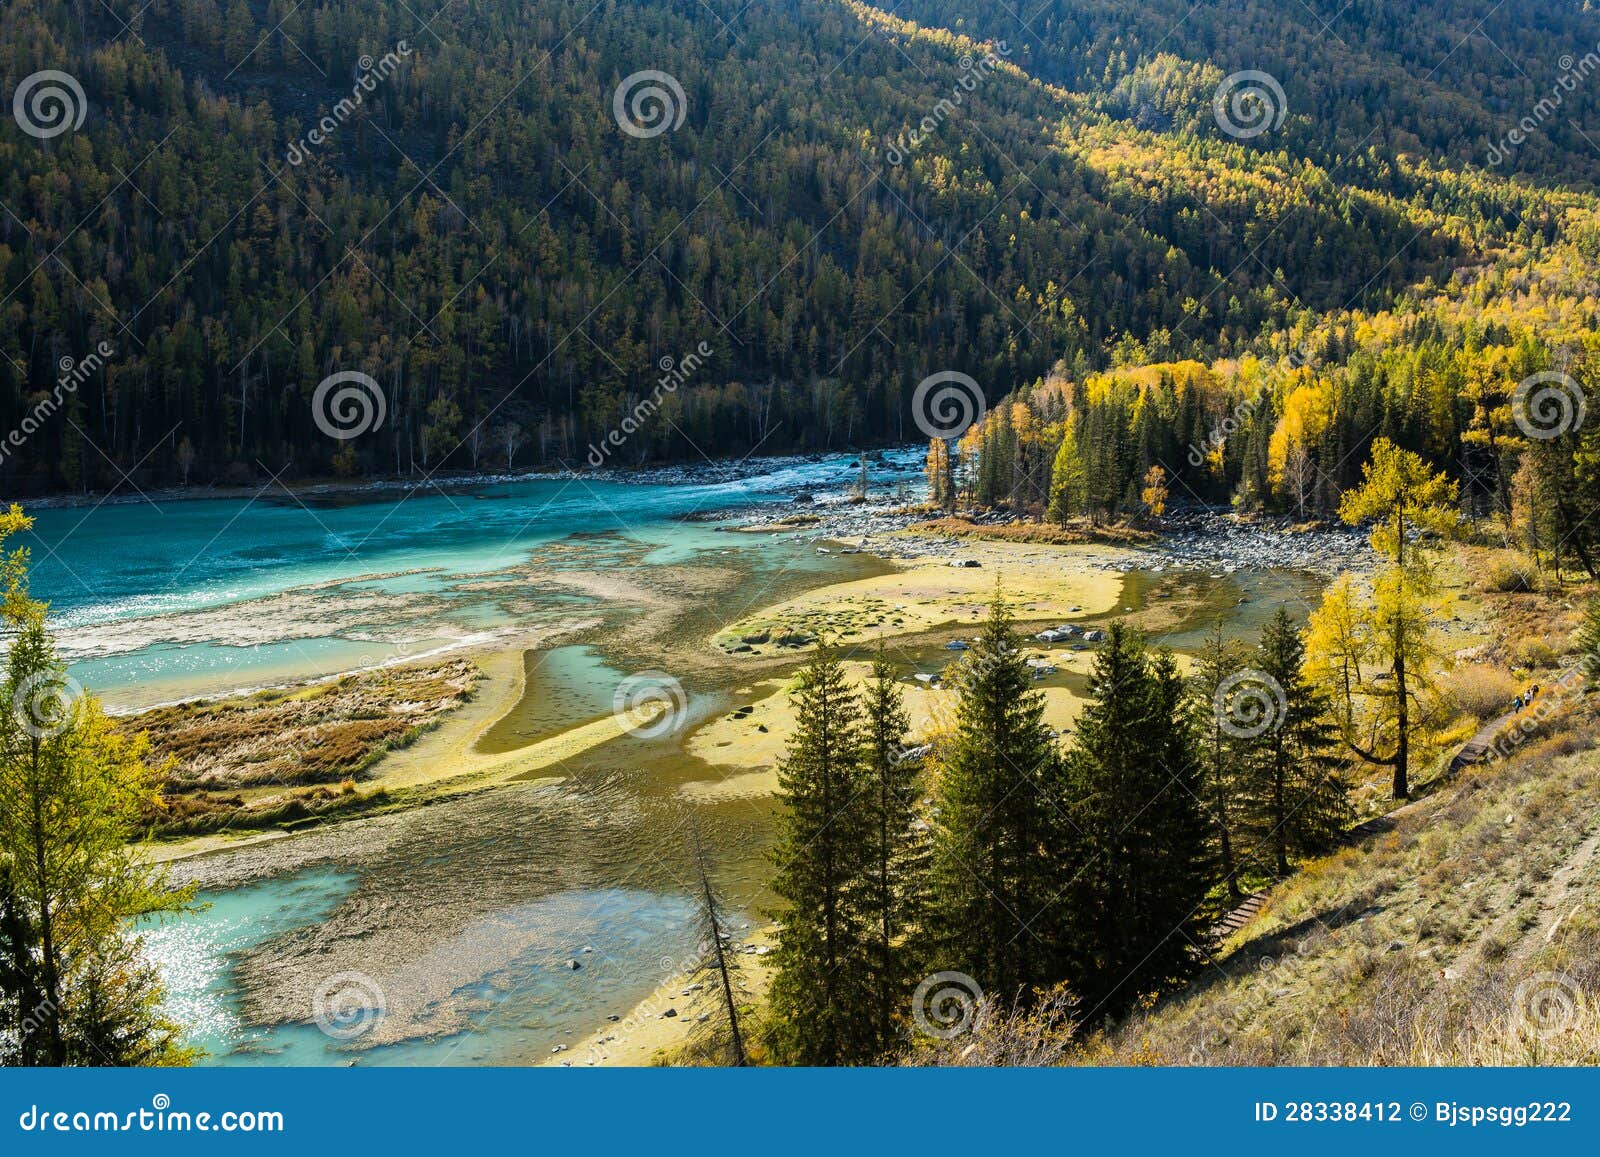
{"x": 195, "y": 949}
{"x": 627, "y": 941}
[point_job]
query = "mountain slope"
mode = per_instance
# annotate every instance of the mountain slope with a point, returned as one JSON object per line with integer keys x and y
{"x": 1442, "y": 79}
{"x": 1463, "y": 933}
{"x": 848, "y": 204}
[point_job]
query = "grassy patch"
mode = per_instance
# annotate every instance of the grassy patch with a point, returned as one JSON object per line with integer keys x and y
{"x": 280, "y": 756}
{"x": 1076, "y": 531}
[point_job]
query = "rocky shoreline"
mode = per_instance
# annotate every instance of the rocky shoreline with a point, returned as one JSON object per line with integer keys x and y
{"x": 1195, "y": 538}
{"x": 1203, "y": 538}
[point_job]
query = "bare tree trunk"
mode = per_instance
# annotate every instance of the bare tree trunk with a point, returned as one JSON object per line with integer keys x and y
{"x": 711, "y": 918}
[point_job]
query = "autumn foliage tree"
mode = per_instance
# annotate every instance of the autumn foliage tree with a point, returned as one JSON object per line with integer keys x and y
{"x": 1373, "y": 649}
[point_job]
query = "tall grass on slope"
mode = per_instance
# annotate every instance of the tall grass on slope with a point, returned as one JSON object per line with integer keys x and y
{"x": 1466, "y": 934}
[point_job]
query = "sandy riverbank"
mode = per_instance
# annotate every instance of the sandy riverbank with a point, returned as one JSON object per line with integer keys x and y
{"x": 925, "y": 593}
{"x": 665, "y": 1022}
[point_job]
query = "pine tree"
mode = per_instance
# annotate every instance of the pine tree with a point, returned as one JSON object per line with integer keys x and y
{"x": 21, "y": 994}
{"x": 896, "y": 885}
{"x": 1143, "y": 867}
{"x": 1302, "y": 795}
{"x": 940, "y": 472}
{"x": 1588, "y": 640}
{"x": 72, "y": 790}
{"x": 822, "y": 996}
{"x": 996, "y": 819}
{"x": 1223, "y": 756}
{"x": 1067, "y": 483}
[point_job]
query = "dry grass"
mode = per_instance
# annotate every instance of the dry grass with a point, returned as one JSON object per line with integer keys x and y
{"x": 1480, "y": 690}
{"x": 1508, "y": 571}
{"x": 273, "y": 757}
{"x": 1077, "y": 531}
{"x": 1466, "y": 934}
{"x": 1528, "y": 631}
{"x": 986, "y": 1035}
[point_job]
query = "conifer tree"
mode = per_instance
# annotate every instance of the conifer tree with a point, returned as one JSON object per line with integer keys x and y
{"x": 1302, "y": 795}
{"x": 1223, "y": 756}
{"x": 716, "y": 963}
{"x": 1134, "y": 786}
{"x": 996, "y": 819}
{"x": 1067, "y": 483}
{"x": 896, "y": 874}
{"x": 822, "y": 995}
{"x": 1403, "y": 496}
{"x": 73, "y": 985}
{"x": 1588, "y": 640}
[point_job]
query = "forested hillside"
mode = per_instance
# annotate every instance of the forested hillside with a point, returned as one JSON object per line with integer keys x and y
{"x": 849, "y": 203}
{"x": 1441, "y": 79}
